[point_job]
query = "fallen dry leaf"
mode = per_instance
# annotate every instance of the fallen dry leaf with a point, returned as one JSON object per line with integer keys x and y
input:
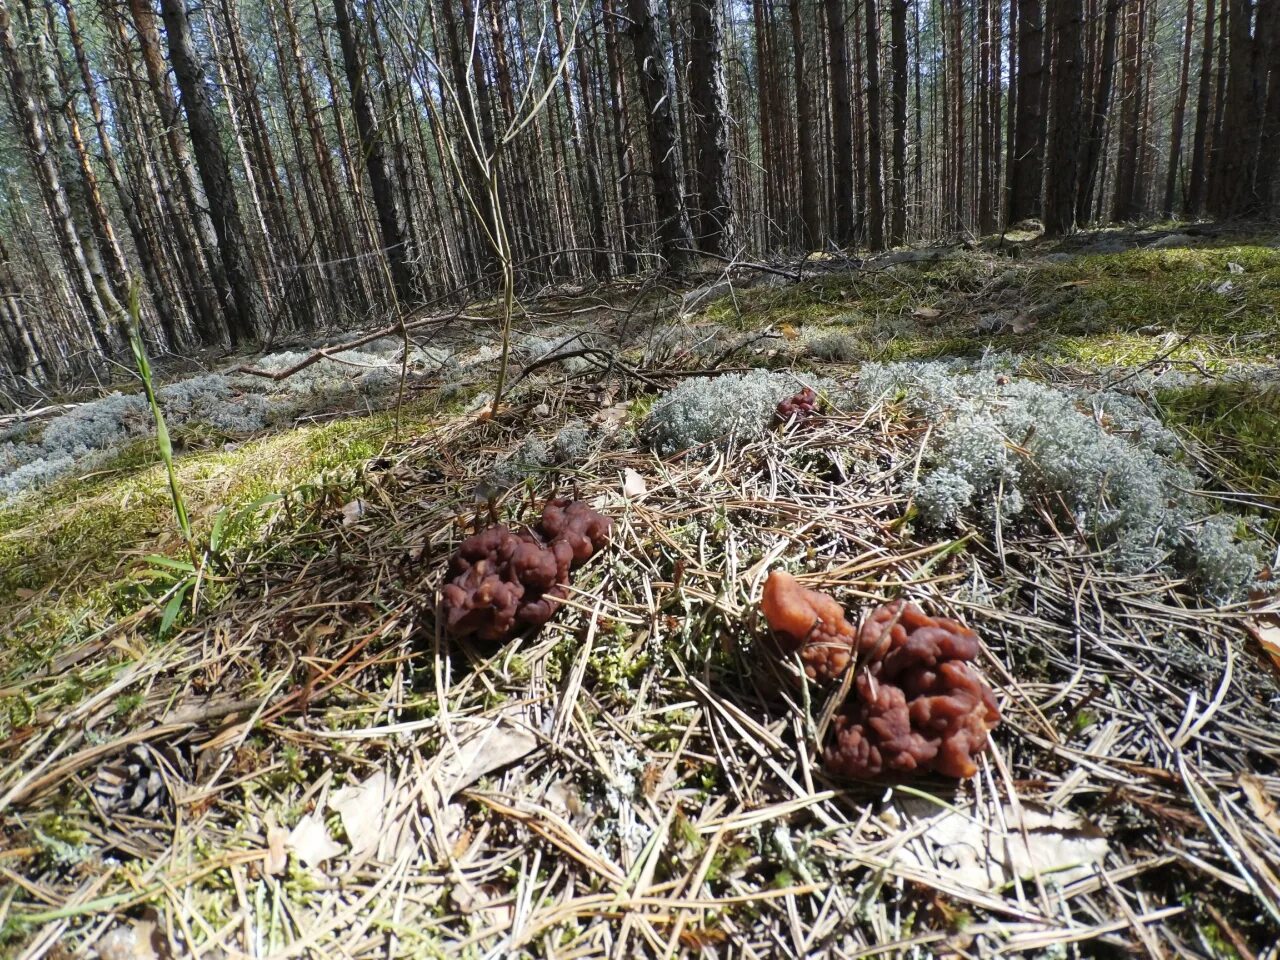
{"x": 352, "y": 512}
{"x": 986, "y": 856}
{"x": 613, "y": 416}
{"x": 478, "y": 747}
{"x": 1263, "y": 806}
{"x": 277, "y": 859}
{"x": 365, "y": 809}
{"x": 311, "y": 843}
{"x": 633, "y": 485}
{"x": 1022, "y": 323}
{"x": 1264, "y": 625}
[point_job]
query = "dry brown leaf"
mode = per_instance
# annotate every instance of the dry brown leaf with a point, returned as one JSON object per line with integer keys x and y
{"x": 277, "y": 859}
{"x": 633, "y": 485}
{"x": 613, "y": 416}
{"x": 1023, "y": 323}
{"x": 366, "y": 810}
{"x": 986, "y": 856}
{"x": 478, "y": 747}
{"x": 311, "y": 843}
{"x": 352, "y": 512}
{"x": 1263, "y": 807}
{"x": 1264, "y": 625}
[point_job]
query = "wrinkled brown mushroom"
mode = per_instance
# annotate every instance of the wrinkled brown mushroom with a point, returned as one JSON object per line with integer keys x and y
{"x": 501, "y": 581}
{"x": 809, "y": 623}
{"x": 915, "y": 704}
{"x": 801, "y": 406}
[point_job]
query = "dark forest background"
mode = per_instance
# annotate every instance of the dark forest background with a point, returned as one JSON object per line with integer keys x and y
{"x": 266, "y": 166}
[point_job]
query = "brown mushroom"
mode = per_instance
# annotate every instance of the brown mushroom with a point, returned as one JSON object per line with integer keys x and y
{"x": 501, "y": 581}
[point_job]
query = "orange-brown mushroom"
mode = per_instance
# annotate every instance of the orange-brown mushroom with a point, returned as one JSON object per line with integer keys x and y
{"x": 809, "y": 623}
{"x": 501, "y": 581}
{"x": 916, "y": 704}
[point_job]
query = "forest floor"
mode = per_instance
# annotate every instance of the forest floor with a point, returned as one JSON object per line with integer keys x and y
{"x": 271, "y": 751}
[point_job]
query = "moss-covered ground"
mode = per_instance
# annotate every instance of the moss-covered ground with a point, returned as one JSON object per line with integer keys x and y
{"x": 1203, "y": 307}
{"x": 94, "y": 551}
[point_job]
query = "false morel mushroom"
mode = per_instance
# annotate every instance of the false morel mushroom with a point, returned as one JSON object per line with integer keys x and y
{"x": 801, "y": 406}
{"x": 809, "y": 623}
{"x": 915, "y": 705}
{"x": 500, "y": 581}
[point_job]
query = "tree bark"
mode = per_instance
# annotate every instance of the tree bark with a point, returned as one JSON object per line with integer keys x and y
{"x": 1199, "y": 143}
{"x": 841, "y": 126}
{"x": 1179, "y": 112}
{"x": 898, "y": 59}
{"x": 1028, "y": 148}
{"x": 674, "y": 235}
{"x": 629, "y": 213}
{"x": 204, "y": 257}
{"x": 810, "y": 204}
{"x": 1064, "y": 120}
{"x": 390, "y": 222}
{"x": 1091, "y": 147}
{"x": 103, "y": 312}
{"x": 713, "y": 218}
{"x": 875, "y": 156}
{"x": 215, "y": 173}
{"x": 584, "y": 132}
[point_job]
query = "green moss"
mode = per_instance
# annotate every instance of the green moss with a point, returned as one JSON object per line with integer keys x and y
{"x": 72, "y": 544}
{"x": 1176, "y": 289}
{"x": 1238, "y": 426}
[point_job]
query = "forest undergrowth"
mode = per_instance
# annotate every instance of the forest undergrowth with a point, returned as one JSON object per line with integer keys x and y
{"x": 273, "y": 750}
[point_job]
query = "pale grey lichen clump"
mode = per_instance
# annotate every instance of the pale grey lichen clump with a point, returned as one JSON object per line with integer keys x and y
{"x": 235, "y": 404}
{"x": 528, "y": 459}
{"x": 997, "y": 439}
{"x": 572, "y": 443}
{"x": 717, "y": 412}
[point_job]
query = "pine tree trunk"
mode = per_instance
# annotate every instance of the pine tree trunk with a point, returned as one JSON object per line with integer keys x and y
{"x": 211, "y": 328}
{"x": 150, "y": 254}
{"x": 102, "y": 312}
{"x": 674, "y": 235}
{"x": 709, "y": 108}
{"x": 1269, "y": 140}
{"x": 584, "y": 132}
{"x": 1125, "y": 206}
{"x": 1028, "y": 148}
{"x": 390, "y": 223}
{"x": 1179, "y": 112}
{"x": 841, "y": 126}
{"x": 875, "y": 173}
{"x": 1062, "y": 151}
{"x": 629, "y": 215}
{"x": 809, "y": 201}
{"x": 1091, "y": 146}
{"x": 956, "y": 207}
{"x": 1199, "y": 143}
{"x": 898, "y": 60}
{"x": 215, "y": 173}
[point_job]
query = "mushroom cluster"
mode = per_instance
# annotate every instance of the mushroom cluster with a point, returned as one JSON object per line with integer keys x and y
{"x": 916, "y": 704}
{"x": 800, "y": 406}
{"x": 501, "y": 581}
